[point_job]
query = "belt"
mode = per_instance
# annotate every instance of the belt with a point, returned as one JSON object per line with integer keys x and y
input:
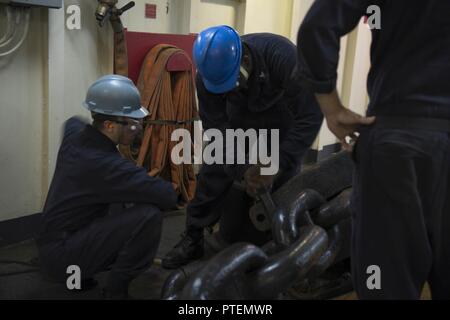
{"x": 433, "y": 124}
{"x": 171, "y": 122}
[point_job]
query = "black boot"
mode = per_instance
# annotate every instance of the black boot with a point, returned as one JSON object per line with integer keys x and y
{"x": 190, "y": 248}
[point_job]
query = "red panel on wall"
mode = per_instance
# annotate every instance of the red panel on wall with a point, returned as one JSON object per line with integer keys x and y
{"x": 140, "y": 43}
{"x": 150, "y": 11}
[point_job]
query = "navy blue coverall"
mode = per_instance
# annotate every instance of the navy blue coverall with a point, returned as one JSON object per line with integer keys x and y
{"x": 272, "y": 100}
{"x": 402, "y": 183}
{"x": 102, "y": 212}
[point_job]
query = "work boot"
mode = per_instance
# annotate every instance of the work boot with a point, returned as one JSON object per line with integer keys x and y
{"x": 190, "y": 248}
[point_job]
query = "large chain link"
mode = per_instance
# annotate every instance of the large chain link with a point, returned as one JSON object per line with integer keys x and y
{"x": 307, "y": 239}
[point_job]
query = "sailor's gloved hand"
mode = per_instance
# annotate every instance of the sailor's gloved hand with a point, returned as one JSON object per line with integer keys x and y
{"x": 254, "y": 181}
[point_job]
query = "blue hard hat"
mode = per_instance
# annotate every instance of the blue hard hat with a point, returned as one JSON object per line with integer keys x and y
{"x": 217, "y": 54}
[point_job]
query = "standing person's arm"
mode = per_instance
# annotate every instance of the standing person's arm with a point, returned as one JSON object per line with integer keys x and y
{"x": 340, "y": 120}
{"x": 318, "y": 50}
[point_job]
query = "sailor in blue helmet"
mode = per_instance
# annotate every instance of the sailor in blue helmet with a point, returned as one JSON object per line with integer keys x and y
{"x": 103, "y": 212}
{"x": 401, "y": 196}
{"x": 244, "y": 83}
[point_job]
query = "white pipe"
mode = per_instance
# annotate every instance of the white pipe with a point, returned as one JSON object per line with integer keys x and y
{"x": 15, "y": 16}
{"x": 18, "y": 36}
{"x": 9, "y": 25}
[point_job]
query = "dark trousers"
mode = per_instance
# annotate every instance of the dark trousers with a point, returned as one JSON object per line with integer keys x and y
{"x": 401, "y": 219}
{"x": 123, "y": 242}
{"x": 215, "y": 195}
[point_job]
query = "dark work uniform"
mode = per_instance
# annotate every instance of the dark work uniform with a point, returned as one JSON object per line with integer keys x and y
{"x": 402, "y": 182}
{"x": 270, "y": 101}
{"x": 80, "y": 228}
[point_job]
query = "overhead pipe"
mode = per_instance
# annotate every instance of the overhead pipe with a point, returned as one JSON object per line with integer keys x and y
{"x": 9, "y": 25}
{"x": 17, "y": 30}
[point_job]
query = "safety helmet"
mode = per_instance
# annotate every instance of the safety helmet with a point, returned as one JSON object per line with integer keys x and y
{"x": 217, "y": 54}
{"x": 116, "y": 96}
